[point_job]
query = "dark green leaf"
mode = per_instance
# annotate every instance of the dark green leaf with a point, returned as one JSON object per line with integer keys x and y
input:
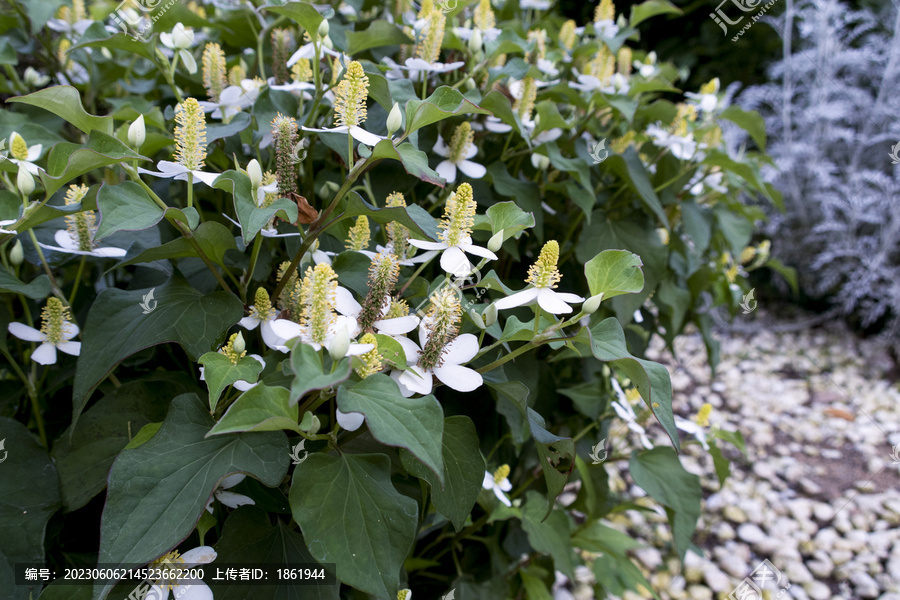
{"x": 376, "y": 34}
{"x": 443, "y": 103}
{"x": 125, "y": 206}
{"x": 219, "y": 373}
{"x": 629, "y": 167}
{"x": 65, "y": 101}
{"x": 416, "y": 218}
{"x": 38, "y": 288}
{"x": 261, "y": 408}
{"x": 414, "y": 161}
{"x": 548, "y": 534}
{"x": 651, "y": 8}
{"x": 557, "y": 456}
{"x": 749, "y": 121}
{"x": 68, "y": 161}
{"x": 214, "y": 239}
{"x": 309, "y": 373}
{"x": 251, "y": 217}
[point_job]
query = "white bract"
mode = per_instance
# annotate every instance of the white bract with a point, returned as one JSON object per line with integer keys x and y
{"x": 229, "y": 499}
{"x": 45, "y": 354}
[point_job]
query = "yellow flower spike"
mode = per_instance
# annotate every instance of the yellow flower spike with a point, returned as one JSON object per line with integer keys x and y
{"x": 236, "y": 74}
{"x": 429, "y": 47}
{"x": 399, "y": 308}
{"x": 190, "y": 134}
{"x": 282, "y": 48}
{"x": 18, "y": 149}
{"x": 284, "y": 139}
{"x": 350, "y": 97}
{"x": 270, "y": 197}
{"x": 169, "y": 562}
{"x": 197, "y": 9}
{"x": 687, "y": 113}
{"x": 459, "y": 215}
{"x": 426, "y": 9}
{"x": 525, "y": 104}
{"x": 228, "y": 350}
{"x": 567, "y": 35}
{"x": 606, "y": 10}
{"x": 620, "y": 145}
{"x": 484, "y": 16}
{"x": 54, "y": 316}
{"x": 731, "y": 274}
{"x": 262, "y": 305}
{"x": 214, "y": 71}
{"x": 632, "y": 395}
{"x": 711, "y": 87}
{"x": 64, "y": 13}
{"x": 703, "y": 414}
{"x": 443, "y": 319}
{"x": 302, "y": 72}
{"x": 371, "y": 360}
{"x": 81, "y": 224}
{"x": 539, "y": 37}
{"x": 462, "y": 140}
{"x": 403, "y": 594}
{"x": 62, "y": 51}
{"x": 383, "y": 274}
{"x": 713, "y": 137}
{"x": 625, "y": 59}
{"x": 603, "y": 65}
{"x": 398, "y": 234}
{"x": 501, "y": 473}
{"x": 317, "y": 296}
{"x": 543, "y": 273}
{"x": 359, "y": 235}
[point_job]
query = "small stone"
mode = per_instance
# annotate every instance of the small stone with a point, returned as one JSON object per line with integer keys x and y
{"x": 865, "y": 586}
{"x": 823, "y": 512}
{"x": 809, "y": 487}
{"x": 751, "y": 533}
{"x": 716, "y": 579}
{"x": 649, "y": 557}
{"x": 734, "y": 514}
{"x": 724, "y": 531}
{"x": 817, "y": 590}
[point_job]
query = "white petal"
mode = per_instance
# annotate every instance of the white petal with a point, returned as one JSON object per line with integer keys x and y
{"x": 369, "y": 139}
{"x": 350, "y": 421}
{"x": 207, "y": 178}
{"x": 24, "y": 332}
{"x": 548, "y": 301}
{"x": 461, "y": 350}
{"x": 488, "y": 482}
{"x": 410, "y": 349}
{"x": 396, "y": 326}
{"x": 250, "y": 323}
{"x": 461, "y": 379}
{"x": 108, "y": 252}
{"x": 271, "y": 338}
{"x": 478, "y": 251}
{"x": 72, "y": 348}
{"x": 231, "y": 481}
{"x": 426, "y": 245}
{"x": 45, "y": 354}
{"x": 505, "y": 485}
{"x": 34, "y": 152}
{"x": 523, "y": 298}
{"x": 454, "y": 261}
{"x": 188, "y": 59}
{"x": 567, "y": 297}
{"x": 200, "y": 555}
{"x": 405, "y": 391}
{"x": 440, "y": 147}
{"x": 65, "y": 240}
{"x": 447, "y": 170}
{"x": 233, "y": 500}
{"x": 502, "y": 497}
{"x": 345, "y": 303}
{"x": 417, "y": 380}
{"x": 192, "y": 589}
{"x": 243, "y": 386}
{"x": 472, "y": 169}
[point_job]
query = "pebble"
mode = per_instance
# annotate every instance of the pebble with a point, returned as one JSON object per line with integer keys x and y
{"x": 751, "y": 533}
{"x": 864, "y": 585}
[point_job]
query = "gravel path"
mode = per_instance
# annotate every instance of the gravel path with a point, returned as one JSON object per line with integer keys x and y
{"x": 817, "y": 493}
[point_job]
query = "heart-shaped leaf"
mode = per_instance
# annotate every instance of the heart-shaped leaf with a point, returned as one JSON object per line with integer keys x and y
{"x": 219, "y": 373}
{"x": 65, "y": 101}
{"x": 443, "y": 103}
{"x": 613, "y": 273}
{"x": 261, "y": 408}
{"x": 251, "y": 217}
{"x": 68, "y": 161}
{"x": 309, "y": 373}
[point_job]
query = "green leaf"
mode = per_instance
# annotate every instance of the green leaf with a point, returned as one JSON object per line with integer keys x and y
{"x": 416, "y": 218}
{"x": 303, "y": 13}
{"x": 416, "y": 424}
{"x": 309, "y": 373}
{"x": 659, "y": 473}
{"x": 391, "y": 351}
{"x": 650, "y": 378}
{"x": 261, "y": 408}
{"x": 629, "y": 167}
{"x": 37, "y": 289}
{"x": 721, "y": 464}
{"x": 219, "y": 373}
{"x": 84, "y": 455}
{"x": 351, "y": 515}
{"x": 557, "y": 456}
{"x": 217, "y": 131}
{"x": 68, "y": 161}
{"x": 750, "y": 121}
{"x": 125, "y": 206}
{"x": 251, "y": 217}
{"x": 28, "y": 498}
{"x": 463, "y": 471}
{"x": 443, "y": 103}
{"x": 158, "y": 490}
{"x": 616, "y": 573}
{"x": 144, "y": 435}
{"x": 250, "y": 538}
{"x": 501, "y": 108}
{"x": 651, "y": 8}
{"x": 120, "y": 41}
{"x": 376, "y": 34}
{"x": 214, "y": 239}
{"x": 414, "y": 161}
{"x": 549, "y": 535}
{"x": 509, "y": 218}
{"x": 535, "y": 589}
{"x": 65, "y": 101}
{"x": 116, "y": 328}
{"x": 613, "y": 273}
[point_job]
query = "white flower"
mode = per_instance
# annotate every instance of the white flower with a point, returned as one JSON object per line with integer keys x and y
{"x": 69, "y": 245}
{"x": 7, "y": 222}
{"x": 490, "y": 34}
{"x": 229, "y": 499}
{"x": 45, "y": 354}
{"x": 707, "y": 100}
{"x": 33, "y": 154}
{"x": 185, "y": 588}
{"x": 308, "y": 51}
{"x": 358, "y": 133}
{"x": 498, "y": 483}
{"x": 179, "y": 41}
{"x": 298, "y": 88}
{"x": 450, "y": 371}
{"x": 233, "y": 100}
{"x": 606, "y": 28}
{"x": 417, "y": 66}
{"x": 447, "y": 168}
{"x": 34, "y": 78}
{"x": 169, "y": 169}
{"x": 713, "y": 181}
{"x": 534, "y": 4}
{"x": 262, "y": 315}
{"x": 347, "y": 305}
{"x": 543, "y": 276}
{"x": 682, "y": 147}
{"x": 694, "y": 429}
{"x": 626, "y": 413}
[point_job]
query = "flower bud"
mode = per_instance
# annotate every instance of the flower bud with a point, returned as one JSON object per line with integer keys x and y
{"x": 476, "y": 318}
{"x": 24, "y": 181}
{"x": 591, "y": 305}
{"x": 239, "y": 345}
{"x": 181, "y": 37}
{"x": 323, "y": 28}
{"x": 496, "y": 241}
{"x": 539, "y": 161}
{"x": 307, "y": 422}
{"x": 17, "y": 254}
{"x": 340, "y": 344}
{"x": 475, "y": 41}
{"x": 489, "y": 315}
{"x": 254, "y": 171}
{"x": 470, "y": 84}
{"x": 315, "y": 426}
{"x": 395, "y": 119}
{"x": 137, "y": 133}
{"x": 327, "y": 42}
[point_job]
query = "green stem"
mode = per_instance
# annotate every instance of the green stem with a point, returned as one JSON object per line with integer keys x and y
{"x": 36, "y": 407}
{"x": 77, "y": 280}
{"x": 190, "y": 182}
{"x": 56, "y": 291}
{"x": 414, "y": 275}
{"x": 254, "y": 255}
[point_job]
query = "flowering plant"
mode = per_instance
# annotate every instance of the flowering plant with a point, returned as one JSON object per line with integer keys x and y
{"x": 429, "y": 250}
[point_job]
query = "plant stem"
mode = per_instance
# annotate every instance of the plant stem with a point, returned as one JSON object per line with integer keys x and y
{"x": 254, "y": 255}
{"x": 190, "y": 182}
{"x": 35, "y": 406}
{"x": 77, "y": 280}
{"x": 56, "y": 291}
{"x": 413, "y": 277}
